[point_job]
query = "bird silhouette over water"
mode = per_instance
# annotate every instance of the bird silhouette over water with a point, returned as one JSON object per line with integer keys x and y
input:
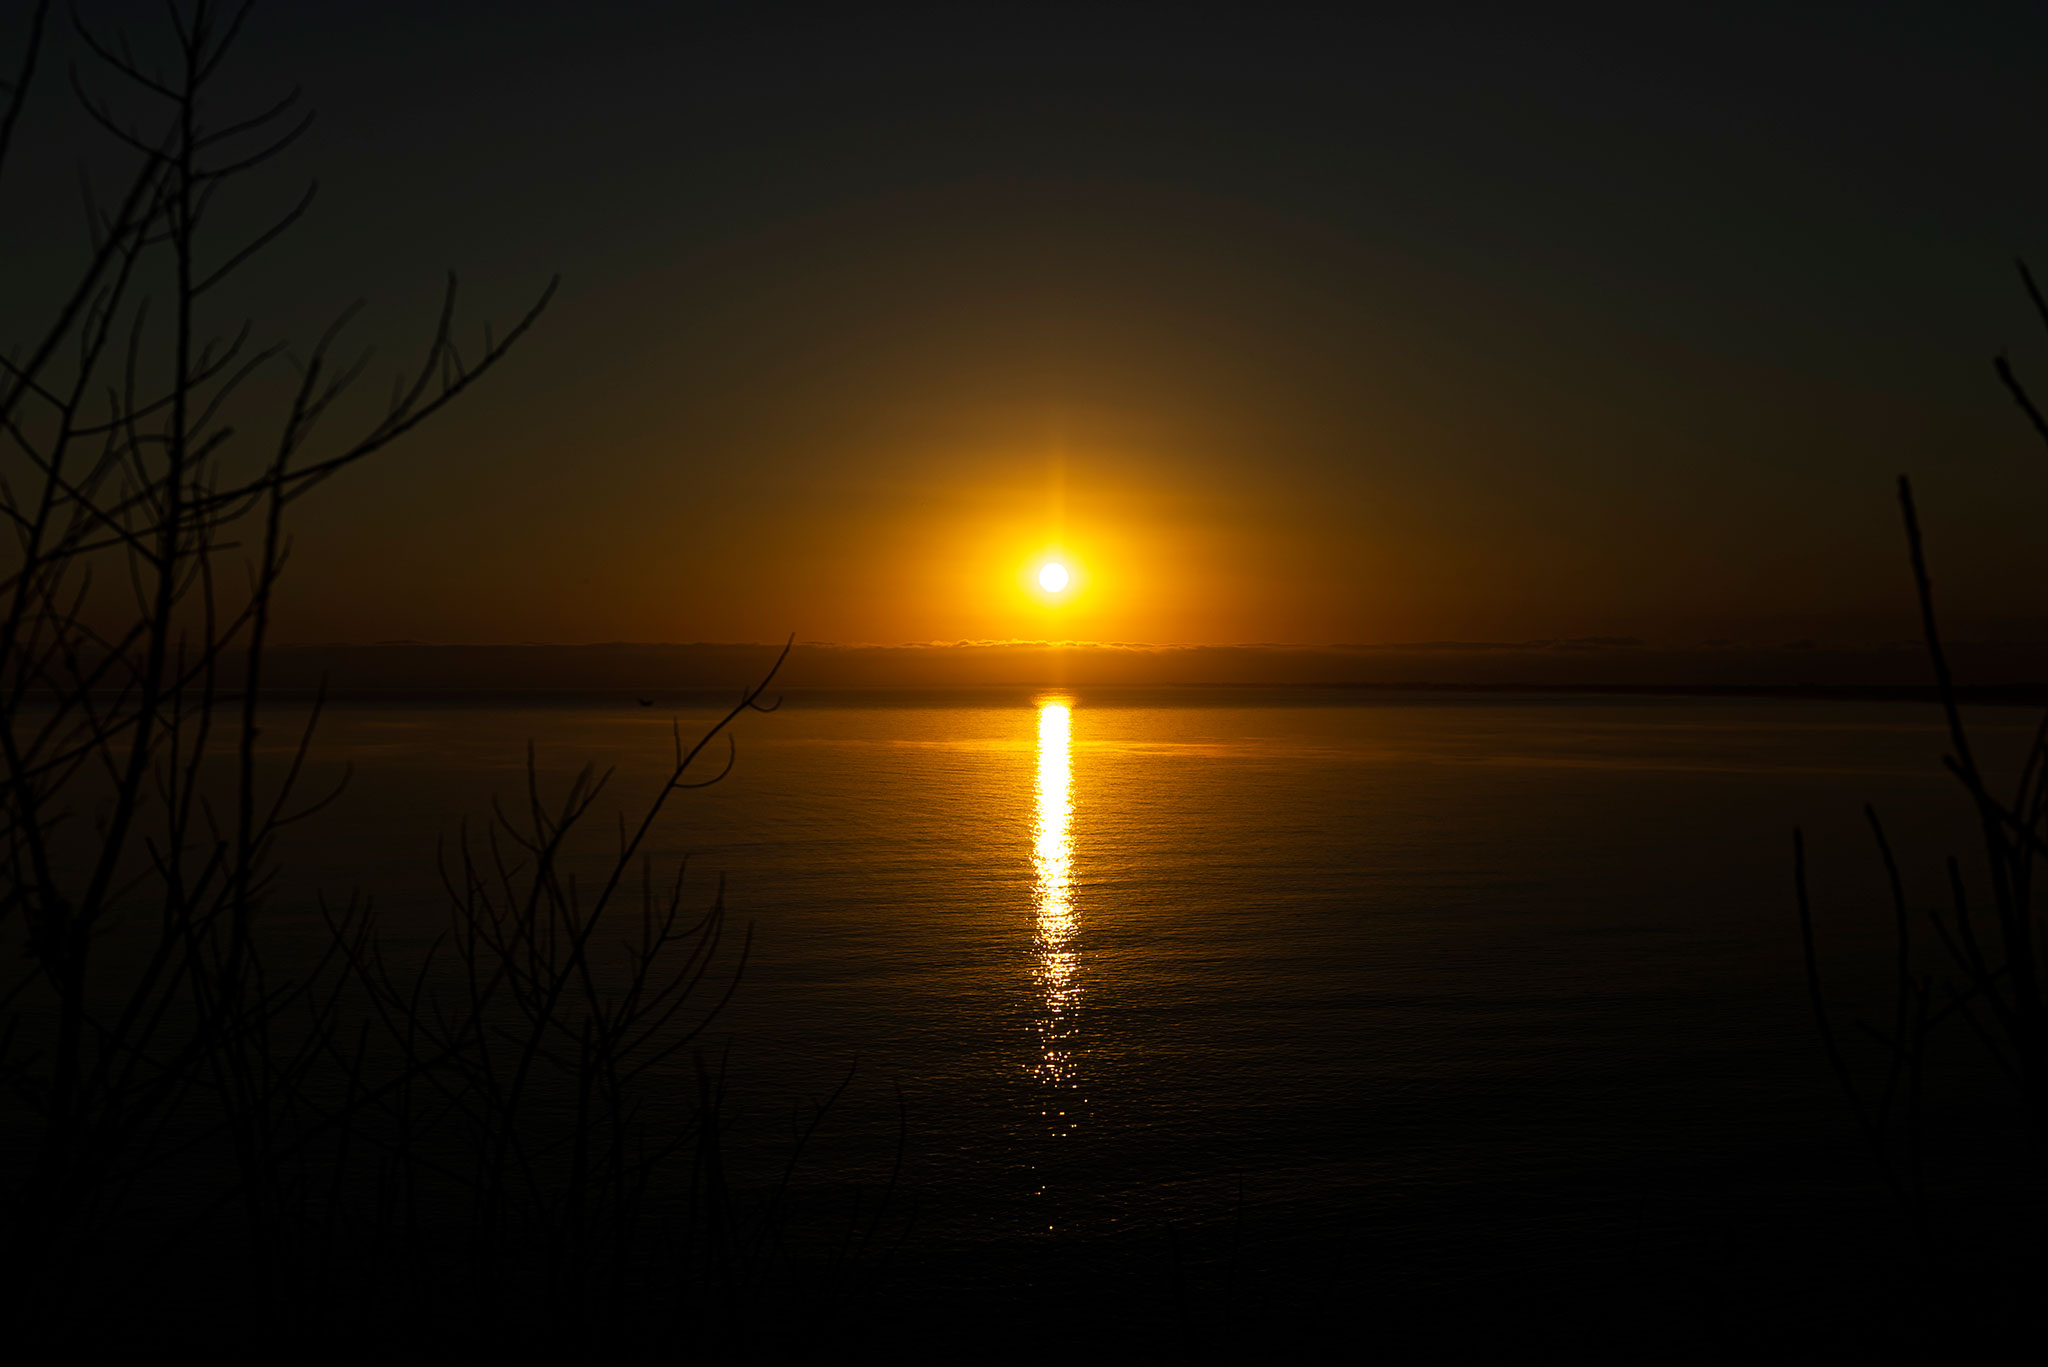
{"x": 646, "y": 702}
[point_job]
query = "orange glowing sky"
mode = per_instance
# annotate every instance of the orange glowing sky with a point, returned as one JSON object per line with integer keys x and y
{"x": 1303, "y": 332}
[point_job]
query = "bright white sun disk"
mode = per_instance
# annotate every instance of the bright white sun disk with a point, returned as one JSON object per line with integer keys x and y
{"x": 1053, "y": 577}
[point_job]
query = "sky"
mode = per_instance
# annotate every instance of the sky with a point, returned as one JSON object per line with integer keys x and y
{"x": 1477, "y": 323}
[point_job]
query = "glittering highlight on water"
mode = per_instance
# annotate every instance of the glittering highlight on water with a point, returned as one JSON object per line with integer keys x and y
{"x": 1056, "y": 963}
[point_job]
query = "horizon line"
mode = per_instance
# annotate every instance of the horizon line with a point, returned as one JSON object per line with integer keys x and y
{"x": 1628, "y": 644}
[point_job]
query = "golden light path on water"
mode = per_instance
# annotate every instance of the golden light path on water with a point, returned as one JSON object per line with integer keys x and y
{"x": 1056, "y": 964}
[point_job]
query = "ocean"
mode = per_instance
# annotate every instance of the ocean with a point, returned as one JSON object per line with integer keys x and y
{"x": 1194, "y": 1005}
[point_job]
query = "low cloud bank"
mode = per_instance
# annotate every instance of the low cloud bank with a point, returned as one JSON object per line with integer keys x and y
{"x": 410, "y": 667}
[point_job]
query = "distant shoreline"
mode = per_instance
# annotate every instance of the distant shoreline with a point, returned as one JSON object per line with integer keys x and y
{"x": 1991, "y": 671}
{"x": 1988, "y": 695}
{"x": 1988, "y": 673}
{"x": 2020, "y": 694}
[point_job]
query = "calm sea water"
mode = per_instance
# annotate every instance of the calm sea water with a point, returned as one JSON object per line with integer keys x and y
{"x": 1194, "y": 988}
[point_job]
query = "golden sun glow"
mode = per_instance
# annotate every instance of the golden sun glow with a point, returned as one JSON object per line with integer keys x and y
{"x": 1056, "y": 587}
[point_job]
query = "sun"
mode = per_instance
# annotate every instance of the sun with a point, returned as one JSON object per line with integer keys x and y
{"x": 1052, "y": 577}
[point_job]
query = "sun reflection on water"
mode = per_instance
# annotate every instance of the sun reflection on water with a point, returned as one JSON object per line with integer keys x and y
{"x": 1056, "y": 964}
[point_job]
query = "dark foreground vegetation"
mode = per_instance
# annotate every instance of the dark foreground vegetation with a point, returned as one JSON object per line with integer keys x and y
{"x": 1948, "y": 1088}
{"x": 232, "y": 1132}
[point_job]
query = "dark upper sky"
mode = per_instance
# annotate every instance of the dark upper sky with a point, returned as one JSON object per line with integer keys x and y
{"x": 1423, "y": 323}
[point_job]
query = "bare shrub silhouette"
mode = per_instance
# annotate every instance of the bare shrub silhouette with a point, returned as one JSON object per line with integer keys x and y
{"x": 466, "y": 1138}
{"x": 1975, "y": 978}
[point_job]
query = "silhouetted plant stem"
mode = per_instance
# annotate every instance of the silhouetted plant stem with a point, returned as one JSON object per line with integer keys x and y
{"x": 479, "y": 1118}
{"x": 1994, "y": 977}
